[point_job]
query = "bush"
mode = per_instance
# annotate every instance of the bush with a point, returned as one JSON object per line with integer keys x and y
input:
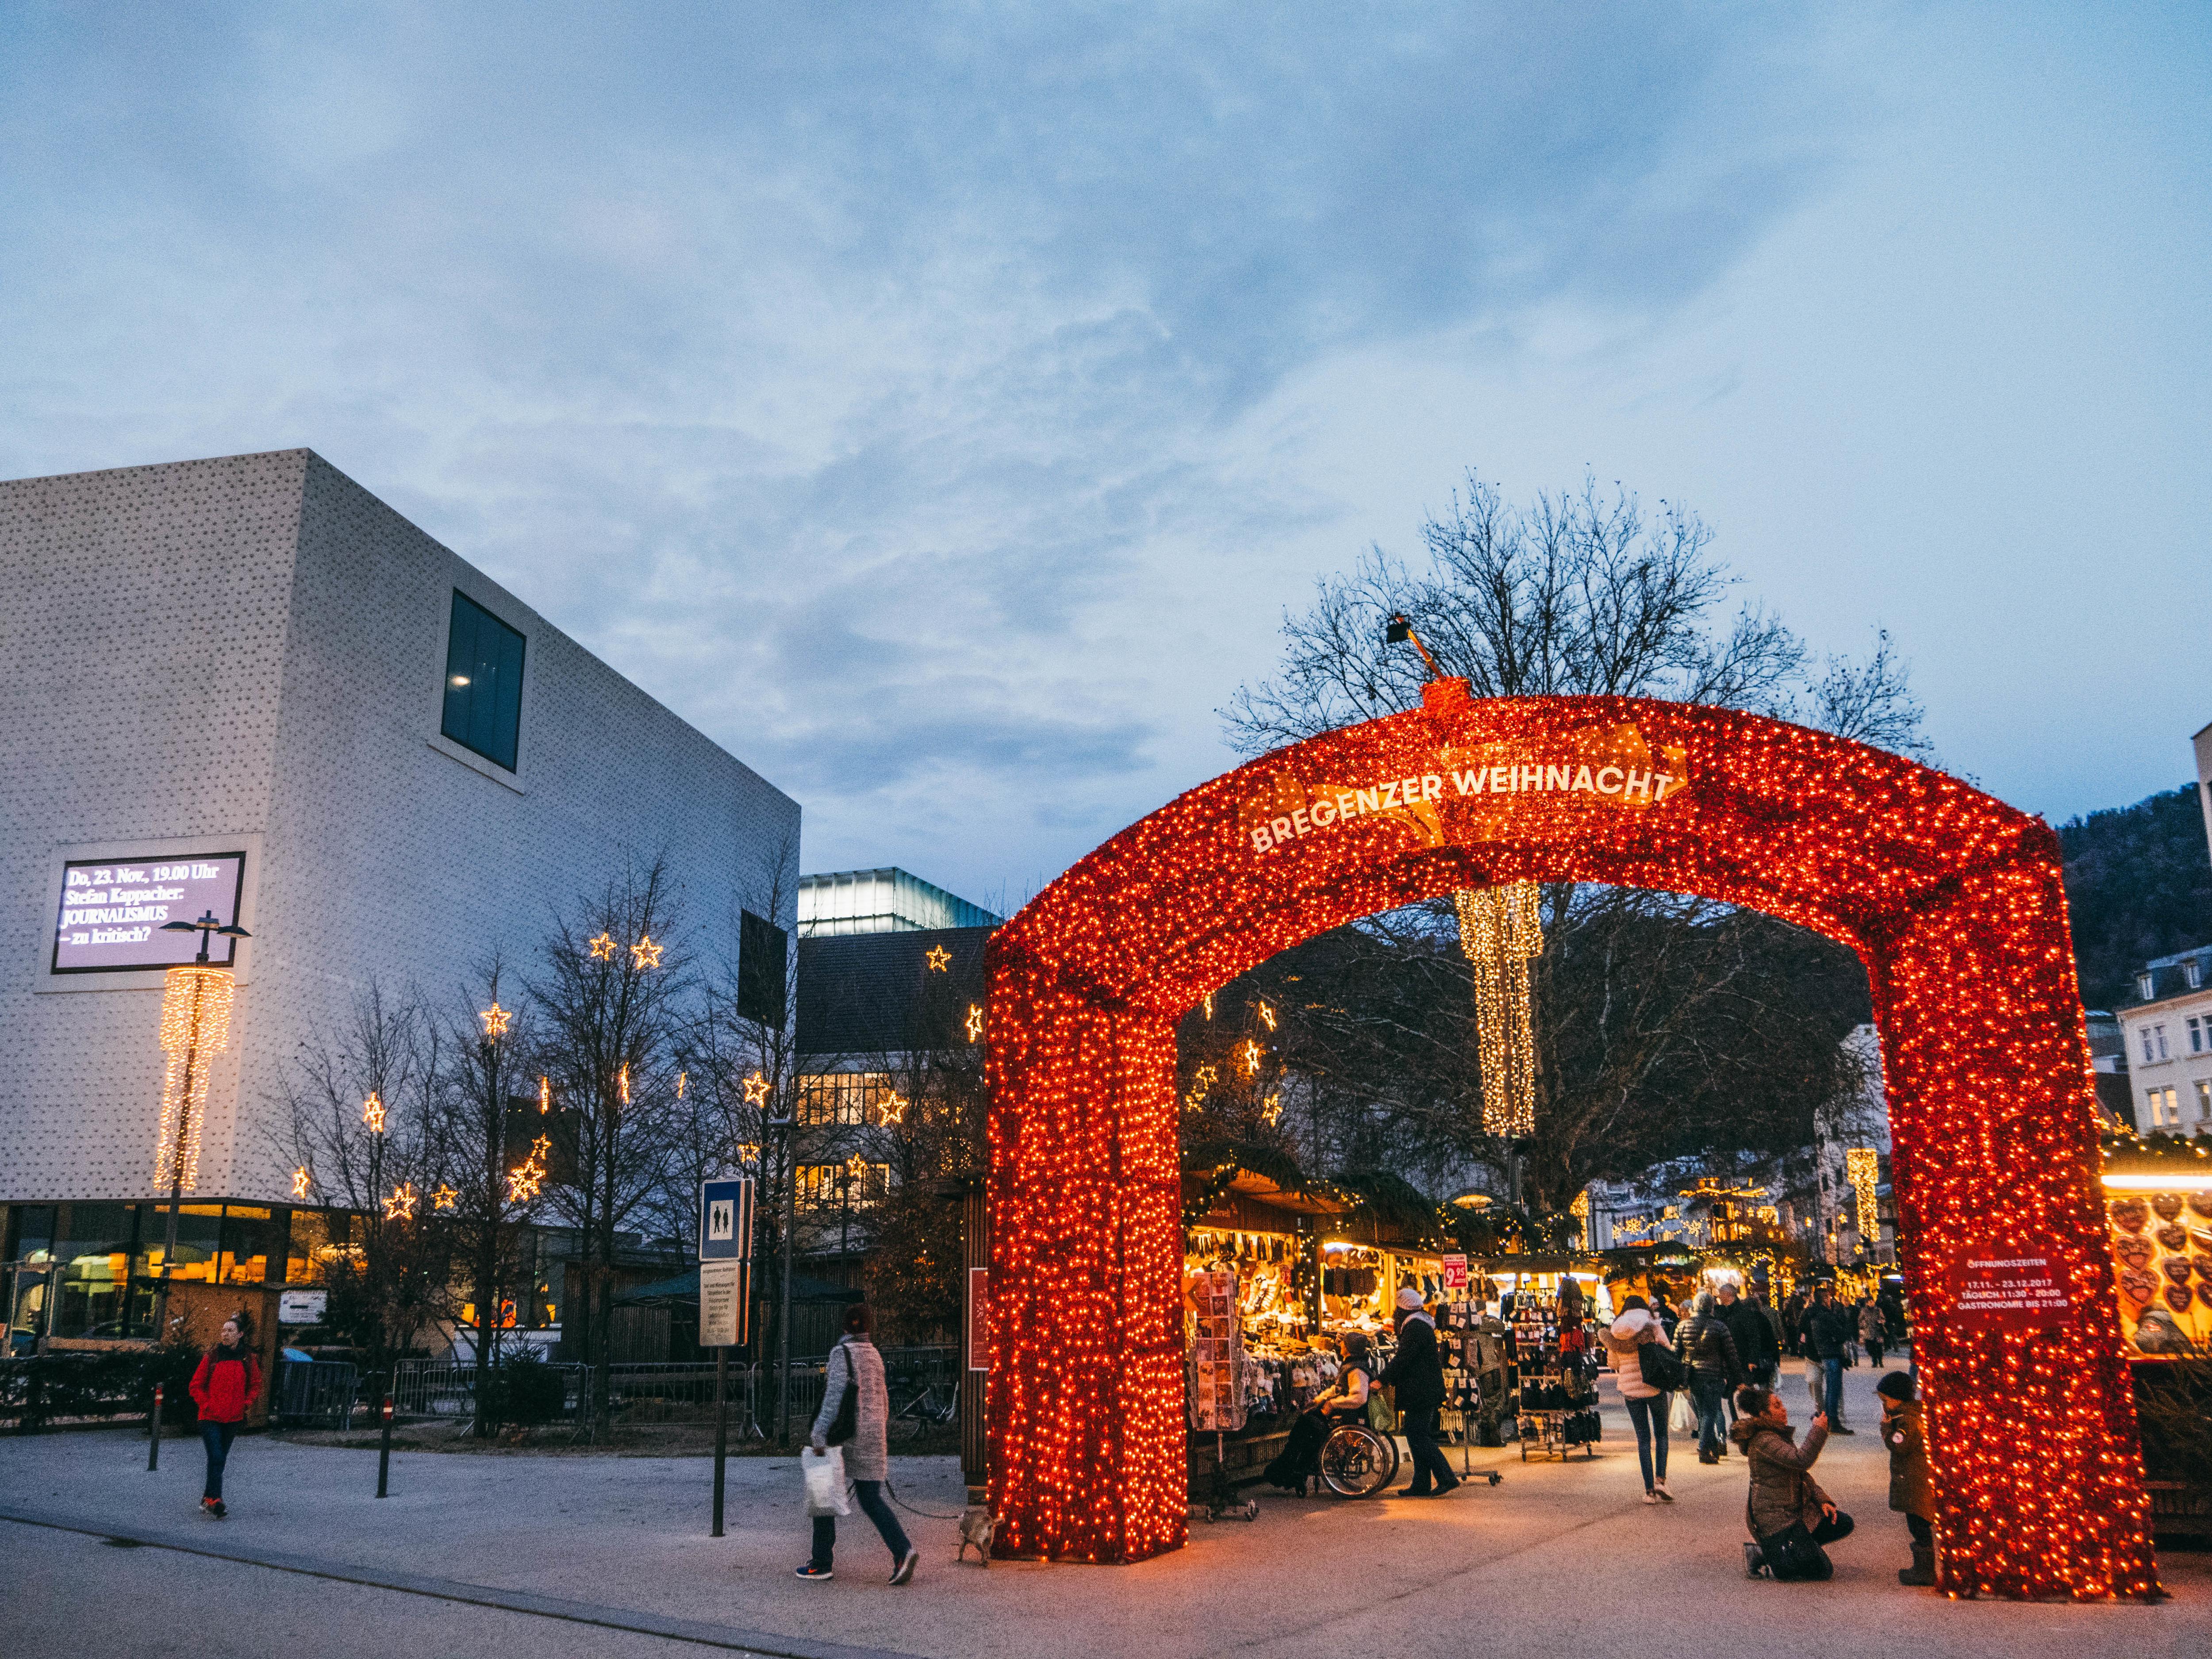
{"x": 524, "y": 1391}
{"x": 41, "y": 1389}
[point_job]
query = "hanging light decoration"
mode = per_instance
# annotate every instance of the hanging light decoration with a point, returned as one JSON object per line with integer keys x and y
{"x": 1863, "y": 1166}
{"x": 1500, "y": 928}
{"x": 195, "y": 1026}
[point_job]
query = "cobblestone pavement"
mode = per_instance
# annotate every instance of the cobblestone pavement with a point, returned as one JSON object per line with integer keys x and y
{"x": 551, "y": 1555}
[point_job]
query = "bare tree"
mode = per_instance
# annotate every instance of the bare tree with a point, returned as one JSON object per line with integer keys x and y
{"x": 358, "y": 1119}
{"x": 609, "y": 995}
{"x": 1663, "y": 1021}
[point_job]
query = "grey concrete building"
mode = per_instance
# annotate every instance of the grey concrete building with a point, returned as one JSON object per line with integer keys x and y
{"x": 249, "y": 678}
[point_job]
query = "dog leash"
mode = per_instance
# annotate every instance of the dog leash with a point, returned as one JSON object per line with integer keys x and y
{"x": 931, "y": 1514}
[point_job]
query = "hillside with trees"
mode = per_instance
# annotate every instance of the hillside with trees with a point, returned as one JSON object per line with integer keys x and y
{"x": 2139, "y": 884}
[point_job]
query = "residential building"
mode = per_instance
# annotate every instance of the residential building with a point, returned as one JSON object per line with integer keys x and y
{"x": 2168, "y": 1035}
{"x": 1851, "y": 1153}
{"x": 249, "y": 685}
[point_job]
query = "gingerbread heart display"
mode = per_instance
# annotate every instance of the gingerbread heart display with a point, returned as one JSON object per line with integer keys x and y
{"x": 2131, "y": 1213}
{"x": 2133, "y": 1252}
{"x": 2175, "y": 1267}
{"x": 2203, "y": 1266}
{"x": 2177, "y": 1297}
{"x": 2139, "y": 1285}
{"x": 2202, "y": 1203}
{"x": 2168, "y": 1204}
{"x": 2205, "y": 1294}
{"x": 2200, "y": 1239}
{"x": 2173, "y": 1235}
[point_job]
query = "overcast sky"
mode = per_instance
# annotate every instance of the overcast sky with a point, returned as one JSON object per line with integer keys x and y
{"x": 939, "y": 406}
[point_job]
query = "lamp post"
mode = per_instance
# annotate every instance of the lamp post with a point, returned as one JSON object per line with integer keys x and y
{"x": 783, "y": 1127}
{"x": 178, "y": 1148}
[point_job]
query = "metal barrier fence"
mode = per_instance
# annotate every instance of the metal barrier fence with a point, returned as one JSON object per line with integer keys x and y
{"x": 315, "y": 1394}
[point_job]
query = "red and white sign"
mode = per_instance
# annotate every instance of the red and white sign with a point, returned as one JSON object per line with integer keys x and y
{"x": 1455, "y": 1277}
{"x": 2006, "y": 1288}
{"x": 978, "y": 1318}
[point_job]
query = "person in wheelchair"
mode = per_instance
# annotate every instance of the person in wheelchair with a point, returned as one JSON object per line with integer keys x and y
{"x": 1347, "y": 1402}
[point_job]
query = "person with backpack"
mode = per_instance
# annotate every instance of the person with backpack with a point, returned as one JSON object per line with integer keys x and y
{"x": 1646, "y": 1389}
{"x": 855, "y": 1415}
{"x": 1755, "y": 1343}
{"x": 1716, "y": 1367}
{"x": 1417, "y": 1372}
{"x": 1789, "y": 1517}
{"x": 1829, "y": 1332}
{"x": 224, "y": 1387}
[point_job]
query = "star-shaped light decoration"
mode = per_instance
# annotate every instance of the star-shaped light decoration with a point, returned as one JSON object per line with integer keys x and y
{"x": 893, "y": 1107}
{"x": 300, "y": 1181}
{"x": 940, "y": 959}
{"x": 1198, "y": 1084}
{"x": 541, "y": 1148}
{"x": 1272, "y": 1108}
{"x": 604, "y": 948}
{"x": 975, "y": 1022}
{"x": 1269, "y": 1014}
{"x": 445, "y": 1198}
{"x": 497, "y": 1019}
{"x": 400, "y": 1206}
{"x": 523, "y": 1182}
{"x": 645, "y": 953}
{"x": 747, "y": 1152}
{"x": 1248, "y": 1052}
{"x": 372, "y": 1114}
{"x": 756, "y": 1089}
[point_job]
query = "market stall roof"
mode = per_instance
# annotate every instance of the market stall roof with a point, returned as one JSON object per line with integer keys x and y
{"x": 1264, "y": 1190}
{"x": 1542, "y": 1264}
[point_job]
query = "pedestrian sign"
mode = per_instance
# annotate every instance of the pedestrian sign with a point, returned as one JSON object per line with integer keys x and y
{"x": 725, "y": 1262}
{"x": 725, "y": 1220}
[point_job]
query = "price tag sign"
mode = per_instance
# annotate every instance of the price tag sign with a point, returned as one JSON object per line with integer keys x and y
{"x": 1456, "y": 1277}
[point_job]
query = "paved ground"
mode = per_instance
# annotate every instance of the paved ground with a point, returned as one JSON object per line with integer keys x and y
{"x": 550, "y": 1556}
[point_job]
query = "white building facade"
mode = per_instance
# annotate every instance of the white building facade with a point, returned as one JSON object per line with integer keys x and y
{"x": 251, "y": 673}
{"x": 2169, "y": 1045}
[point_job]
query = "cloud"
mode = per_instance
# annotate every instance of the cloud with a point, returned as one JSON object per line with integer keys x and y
{"x": 868, "y": 385}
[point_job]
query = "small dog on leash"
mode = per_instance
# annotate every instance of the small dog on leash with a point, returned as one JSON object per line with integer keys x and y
{"x": 976, "y": 1526}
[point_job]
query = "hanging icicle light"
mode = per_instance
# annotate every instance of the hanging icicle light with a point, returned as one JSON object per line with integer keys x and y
{"x": 195, "y": 1026}
{"x": 1500, "y": 928}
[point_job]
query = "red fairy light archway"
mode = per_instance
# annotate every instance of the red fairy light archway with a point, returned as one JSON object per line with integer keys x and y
{"x": 1951, "y": 898}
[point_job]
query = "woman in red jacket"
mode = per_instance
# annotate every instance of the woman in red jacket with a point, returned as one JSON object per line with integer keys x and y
{"x": 224, "y": 1387}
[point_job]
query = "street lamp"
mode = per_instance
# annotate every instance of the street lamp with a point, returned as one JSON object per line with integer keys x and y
{"x": 196, "y": 1002}
{"x": 782, "y": 1128}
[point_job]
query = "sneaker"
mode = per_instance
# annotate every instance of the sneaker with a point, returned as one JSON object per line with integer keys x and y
{"x": 1649, "y": 1496}
{"x": 907, "y": 1562}
{"x": 1660, "y": 1487}
{"x": 814, "y": 1574}
{"x": 1754, "y": 1563}
{"x": 1707, "y": 1457}
{"x": 1838, "y": 1428}
{"x": 214, "y": 1507}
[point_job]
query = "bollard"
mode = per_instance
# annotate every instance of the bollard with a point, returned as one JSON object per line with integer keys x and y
{"x": 722, "y": 1429}
{"x": 154, "y": 1431}
{"x": 384, "y": 1454}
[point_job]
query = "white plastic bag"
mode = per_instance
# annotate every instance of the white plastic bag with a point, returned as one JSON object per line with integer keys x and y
{"x": 825, "y": 1481}
{"x": 1682, "y": 1416}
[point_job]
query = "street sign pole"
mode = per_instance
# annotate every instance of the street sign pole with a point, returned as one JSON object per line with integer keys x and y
{"x": 725, "y": 1280}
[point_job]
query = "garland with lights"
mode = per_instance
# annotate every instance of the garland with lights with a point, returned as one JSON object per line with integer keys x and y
{"x": 1951, "y": 899}
{"x": 1500, "y": 928}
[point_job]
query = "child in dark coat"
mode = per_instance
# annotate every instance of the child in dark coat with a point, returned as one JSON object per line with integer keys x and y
{"x": 1912, "y": 1477}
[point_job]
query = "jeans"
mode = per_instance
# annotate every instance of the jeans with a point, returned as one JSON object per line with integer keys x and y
{"x": 1649, "y": 1417}
{"x": 1708, "y": 1397}
{"x": 1832, "y": 1372}
{"x": 871, "y": 1494}
{"x": 1430, "y": 1471}
{"x": 1826, "y": 1532}
{"x": 218, "y": 1437}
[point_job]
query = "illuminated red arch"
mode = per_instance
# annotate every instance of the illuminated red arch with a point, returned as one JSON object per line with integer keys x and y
{"x": 1951, "y": 899}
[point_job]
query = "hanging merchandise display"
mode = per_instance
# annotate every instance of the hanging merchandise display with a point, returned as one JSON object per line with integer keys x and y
{"x": 1217, "y": 1354}
{"x": 1558, "y": 1406}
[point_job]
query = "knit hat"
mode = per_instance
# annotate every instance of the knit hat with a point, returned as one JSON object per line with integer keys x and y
{"x": 1409, "y": 1299}
{"x": 1896, "y": 1385}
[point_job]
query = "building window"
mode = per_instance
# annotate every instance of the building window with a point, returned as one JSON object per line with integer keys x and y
{"x": 2161, "y": 1030}
{"x": 2197, "y": 1035}
{"x": 2142, "y": 987}
{"x": 2193, "y": 971}
{"x": 2204, "y": 1098}
{"x": 2165, "y": 1107}
{"x": 848, "y": 1098}
{"x": 483, "y": 683}
{"x": 2150, "y": 1053}
{"x": 763, "y": 960}
{"x": 842, "y": 1186}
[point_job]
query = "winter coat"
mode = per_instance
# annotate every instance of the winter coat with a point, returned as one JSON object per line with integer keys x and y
{"x": 226, "y": 1383}
{"x": 1870, "y": 1327}
{"x": 1782, "y": 1489}
{"x": 1830, "y": 1330}
{"x": 1912, "y": 1479}
{"x": 1416, "y": 1370}
{"x": 1709, "y": 1350}
{"x": 1754, "y": 1337}
{"x": 1622, "y": 1339}
{"x": 854, "y": 1362}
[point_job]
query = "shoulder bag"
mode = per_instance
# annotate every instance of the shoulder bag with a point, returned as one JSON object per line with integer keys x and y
{"x": 1660, "y": 1368}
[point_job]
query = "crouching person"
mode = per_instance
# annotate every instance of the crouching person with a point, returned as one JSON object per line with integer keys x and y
{"x": 1911, "y": 1480}
{"x": 1789, "y": 1516}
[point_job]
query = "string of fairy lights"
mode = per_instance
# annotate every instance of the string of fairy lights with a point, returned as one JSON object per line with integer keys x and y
{"x": 196, "y": 1004}
{"x": 1500, "y": 929}
{"x": 1951, "y": 899}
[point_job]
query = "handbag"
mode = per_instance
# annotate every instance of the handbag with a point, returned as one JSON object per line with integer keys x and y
{"x": 847, "y": 1422}
{"x": 1659, "y": 1369}
{"x": 824, "y": 1475}
{"x": 1682, "y": 1417}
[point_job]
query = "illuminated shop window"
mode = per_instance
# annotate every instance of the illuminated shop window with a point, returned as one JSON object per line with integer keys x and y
{"x": 483, "y": 683}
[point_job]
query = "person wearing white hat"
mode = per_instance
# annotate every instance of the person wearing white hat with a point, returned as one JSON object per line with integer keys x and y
{"x": 1418, "y": 1373}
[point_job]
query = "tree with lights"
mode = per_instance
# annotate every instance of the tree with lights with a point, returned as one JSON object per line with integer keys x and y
{"x": 609, "y": 995}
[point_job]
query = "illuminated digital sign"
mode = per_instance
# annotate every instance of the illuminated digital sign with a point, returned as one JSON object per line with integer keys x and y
{"x": 113, "y": 912}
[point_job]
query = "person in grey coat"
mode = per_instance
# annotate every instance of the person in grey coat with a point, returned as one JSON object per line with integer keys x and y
{"x": 856, "y": 1367}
